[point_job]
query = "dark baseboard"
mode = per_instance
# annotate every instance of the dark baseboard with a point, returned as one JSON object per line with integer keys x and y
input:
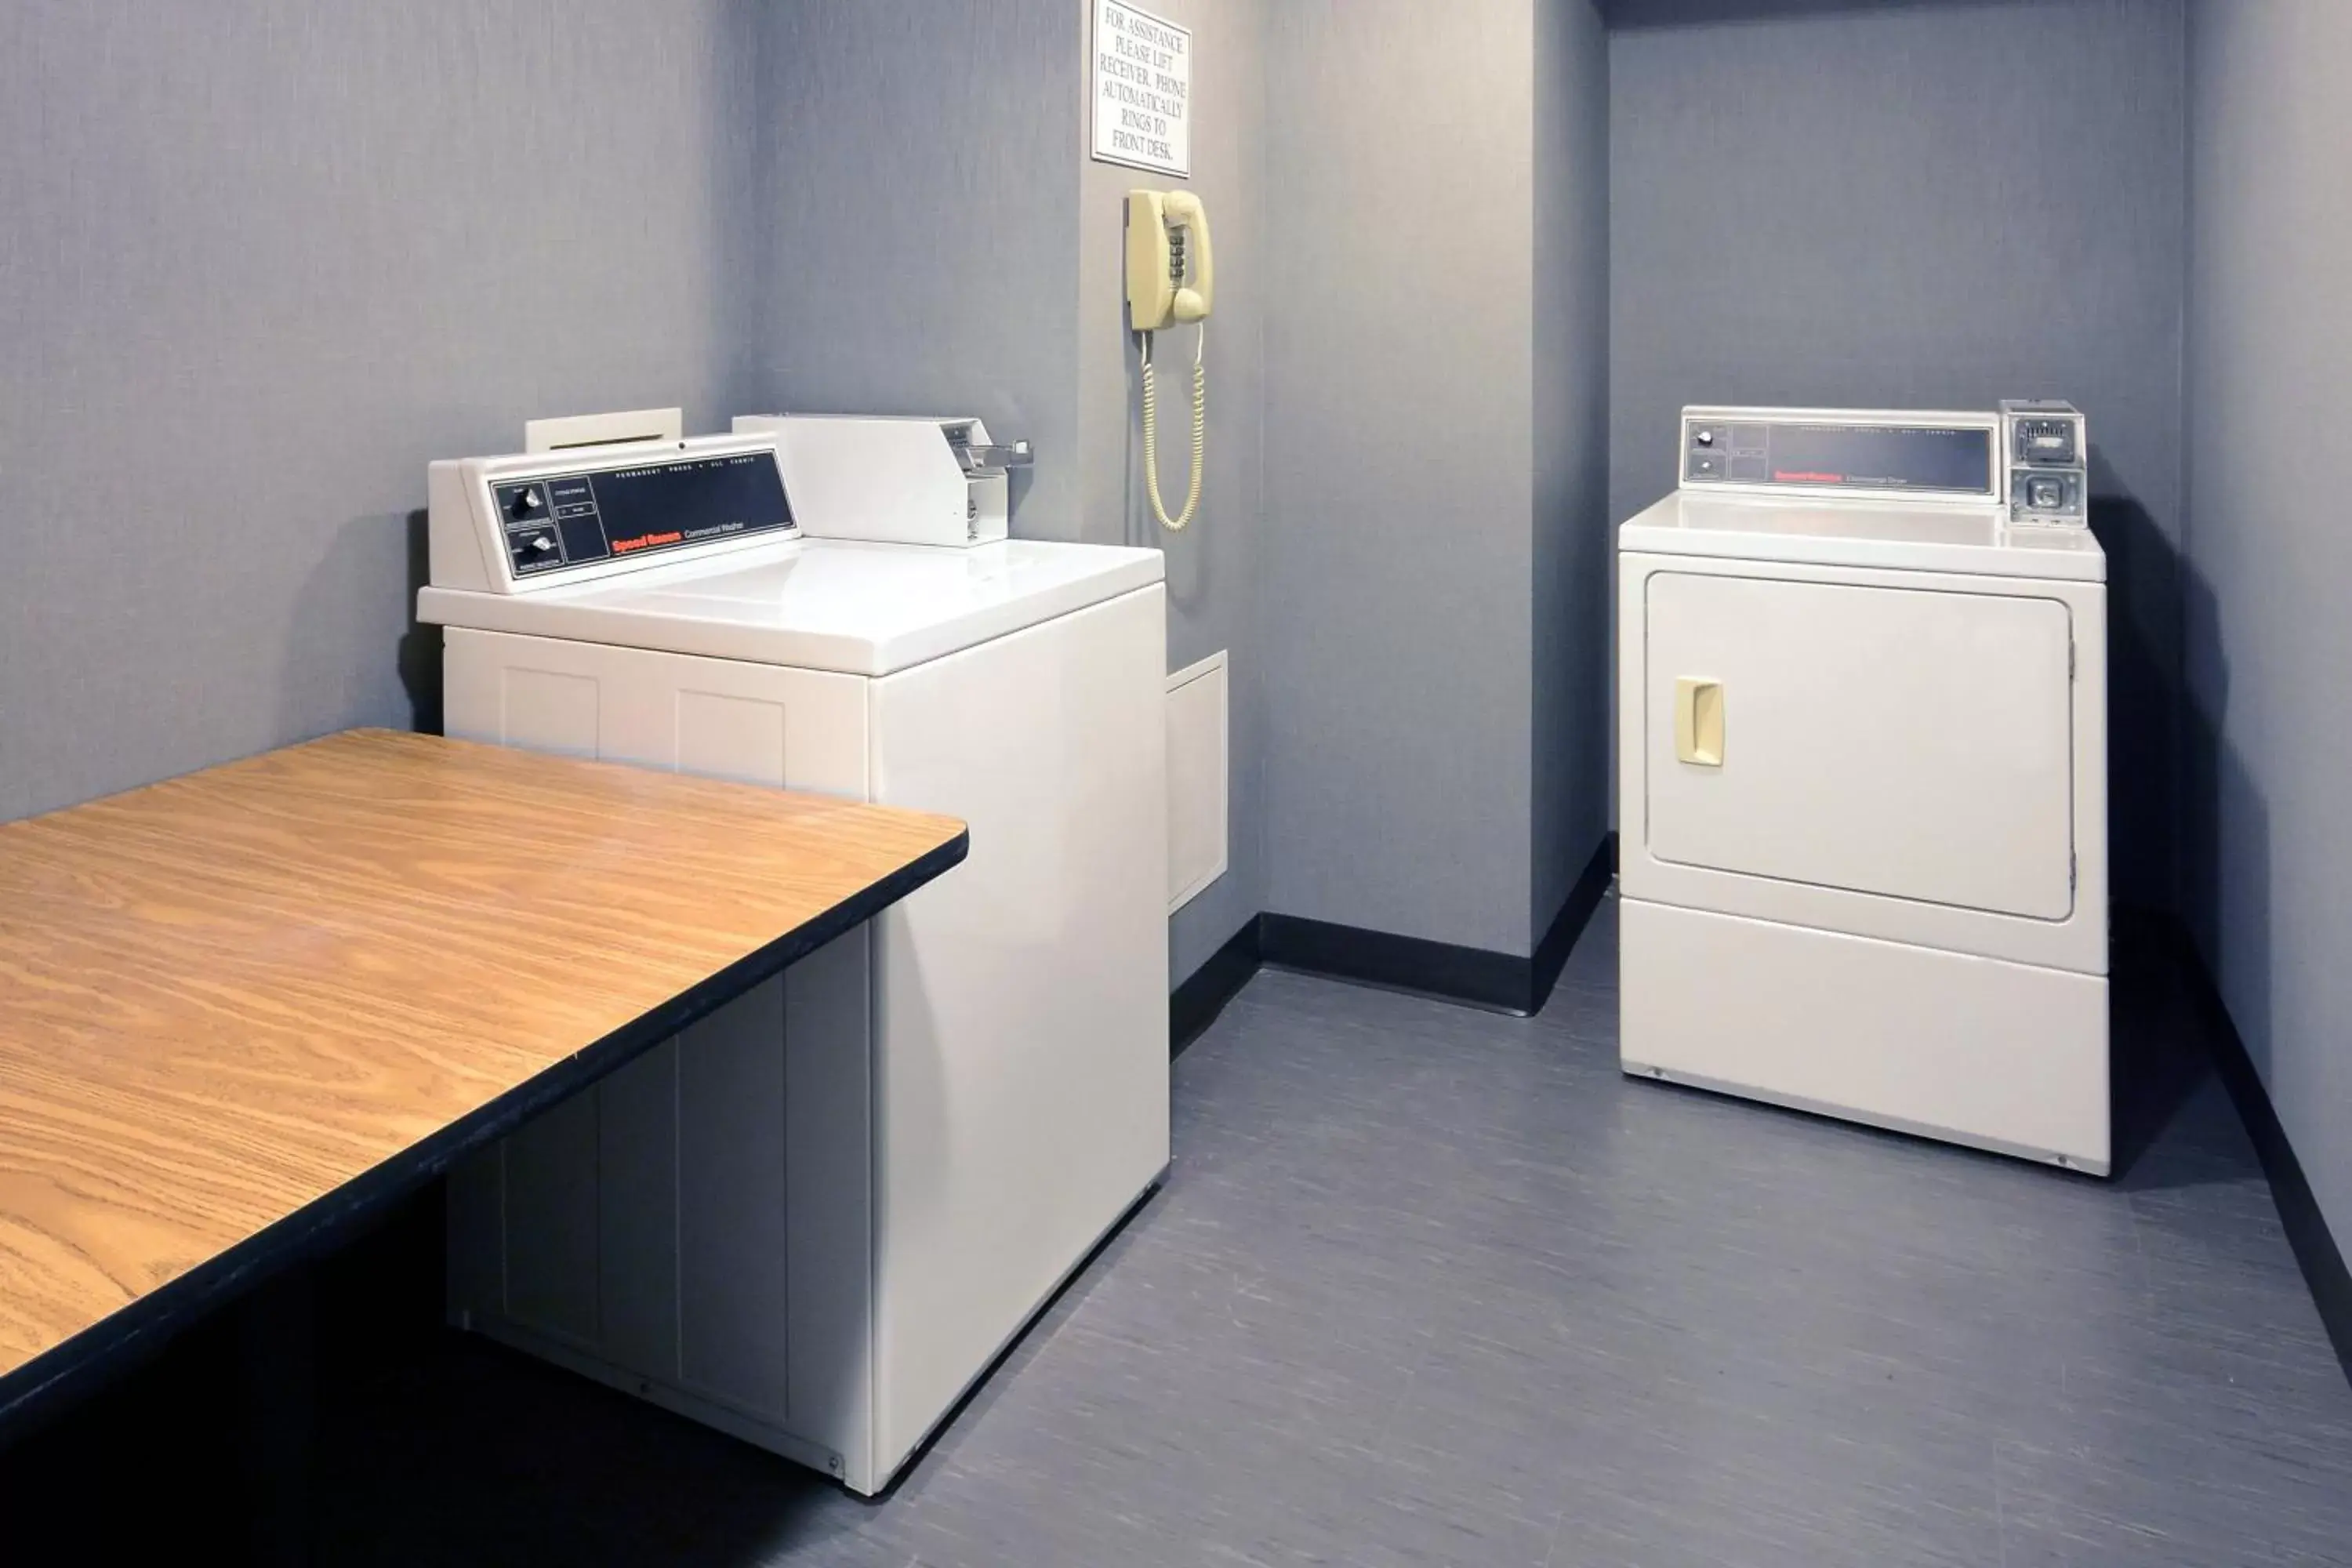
{"x": 2314, "y": 1245}
{"x": 1194, "y": 1006}
{"x": 1504, "y": 982}
{"x": 1591, "y": 886}
{"x": 1469, "y": 975}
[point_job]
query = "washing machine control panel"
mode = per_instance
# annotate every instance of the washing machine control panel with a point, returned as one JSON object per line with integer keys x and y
{"x": 600, "y": 514}
{"x": 1874, "y": 453}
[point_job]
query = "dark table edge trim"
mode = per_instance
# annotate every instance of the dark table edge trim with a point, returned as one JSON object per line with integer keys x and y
{"x": 61, "y": 1374}
{"x": 1499, "y": 981}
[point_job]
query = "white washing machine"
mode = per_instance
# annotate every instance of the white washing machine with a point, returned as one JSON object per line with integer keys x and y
{"x": 814, "y": 1218}
{"x": 1862, "y": 716}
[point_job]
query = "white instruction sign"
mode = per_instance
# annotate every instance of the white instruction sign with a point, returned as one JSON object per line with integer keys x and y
{"x": 1143, "y": 89}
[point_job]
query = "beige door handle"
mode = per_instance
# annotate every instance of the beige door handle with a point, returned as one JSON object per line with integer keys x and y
{"x": 1698, "y": 721}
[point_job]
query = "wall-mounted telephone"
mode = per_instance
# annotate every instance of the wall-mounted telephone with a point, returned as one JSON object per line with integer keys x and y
{"x": 1171, "y": 277}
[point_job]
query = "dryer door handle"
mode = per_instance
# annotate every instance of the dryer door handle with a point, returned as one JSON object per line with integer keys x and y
{"x": 1698, "y": 721}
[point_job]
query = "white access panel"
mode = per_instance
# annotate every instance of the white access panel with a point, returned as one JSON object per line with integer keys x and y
{"x": 1907, "y": 742}
{"x": 1885, "y": 885}
{"x": 1051, "y": 744}
{"x": 1198, "y": 775}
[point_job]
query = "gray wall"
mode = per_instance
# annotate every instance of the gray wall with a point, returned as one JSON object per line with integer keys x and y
{"x": 1572, "y": 558}
{"x": 1399, "y": 466}
{"x": 978, "y": 265}
{"x": 325, "y": 246}
{"x": 919, "y": 186}
{"x": 258, "y": 264}
{"x": 1904, "y": 204}
{"x": 2270, "y": 551}
{"x": 1217, "y": 567}
{"x": 1372, "y": 481}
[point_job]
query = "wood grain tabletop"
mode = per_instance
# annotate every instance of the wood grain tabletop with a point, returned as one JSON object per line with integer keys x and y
{"x": 235, "y": 1003}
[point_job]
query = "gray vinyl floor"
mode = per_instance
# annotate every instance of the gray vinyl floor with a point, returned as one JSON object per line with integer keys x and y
{"x": 1429, "y": 1285}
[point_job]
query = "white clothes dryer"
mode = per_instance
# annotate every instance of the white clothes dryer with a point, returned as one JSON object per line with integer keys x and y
{"x": 1861, "y": 731}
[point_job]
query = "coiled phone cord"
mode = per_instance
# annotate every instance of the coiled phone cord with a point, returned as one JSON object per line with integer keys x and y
{"x": 1178, "y": 523}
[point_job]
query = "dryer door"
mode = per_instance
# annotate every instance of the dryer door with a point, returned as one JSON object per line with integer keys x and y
{"x": 1913, "y": 743}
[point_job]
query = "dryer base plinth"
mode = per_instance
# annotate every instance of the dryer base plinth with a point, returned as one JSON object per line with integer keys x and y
{"x": 2005, "y": 1057}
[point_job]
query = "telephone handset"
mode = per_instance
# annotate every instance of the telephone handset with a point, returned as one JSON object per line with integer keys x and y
{"x": 1171, "y": 277}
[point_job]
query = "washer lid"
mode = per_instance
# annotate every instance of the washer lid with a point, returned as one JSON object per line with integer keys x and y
{"x": 1916, "y": 536}
{"x": 859, "y": 608}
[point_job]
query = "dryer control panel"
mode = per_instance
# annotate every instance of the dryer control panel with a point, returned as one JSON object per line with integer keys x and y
{"x": 1875, "y": 453}
{"x": 2049, "y": 457}
{"x": 510, "y": 524}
